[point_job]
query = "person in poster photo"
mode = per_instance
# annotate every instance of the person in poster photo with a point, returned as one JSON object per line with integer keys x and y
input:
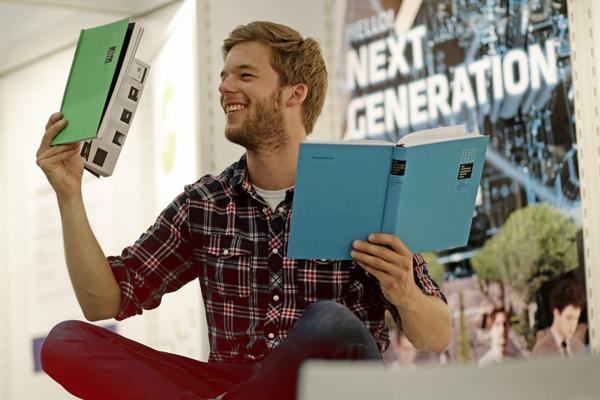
{"x": 498, "y": 334}
{"x": 566, "y": 301}
{"x": 265, "y": 313}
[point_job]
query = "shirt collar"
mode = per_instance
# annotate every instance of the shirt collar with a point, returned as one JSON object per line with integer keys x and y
{"x": 240, "y": 181}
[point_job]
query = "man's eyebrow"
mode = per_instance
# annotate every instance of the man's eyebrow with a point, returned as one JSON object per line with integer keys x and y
{"x": 239, "y": 67}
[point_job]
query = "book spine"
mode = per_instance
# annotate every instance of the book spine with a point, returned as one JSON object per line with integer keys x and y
{"x": 126, "y": 52}
{"x": 394, "y": 190}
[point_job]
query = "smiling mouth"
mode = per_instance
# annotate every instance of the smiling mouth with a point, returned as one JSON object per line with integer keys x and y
{"x": 233, "y": 108}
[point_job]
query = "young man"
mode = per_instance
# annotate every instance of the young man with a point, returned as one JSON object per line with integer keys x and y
{"x": 566, "y": 301}
{"x": 266, "y": 313}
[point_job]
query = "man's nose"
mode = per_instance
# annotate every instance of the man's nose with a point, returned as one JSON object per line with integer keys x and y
{"x": 227, "y": 85}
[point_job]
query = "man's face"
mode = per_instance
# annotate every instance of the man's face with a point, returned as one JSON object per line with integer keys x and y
{"x": 566, "y": 321}
{"x": 251, "y": 98}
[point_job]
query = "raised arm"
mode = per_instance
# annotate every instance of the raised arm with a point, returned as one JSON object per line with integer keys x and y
{"x": 95, "y": 286}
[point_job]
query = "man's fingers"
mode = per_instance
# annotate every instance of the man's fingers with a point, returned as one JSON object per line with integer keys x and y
{"x": 374, "y": 262}
{"x": 385, "y": 280}
{"x": 57, "y": 154}
{"x": 57, "y": 158}
{"x": 392, "y": 241}
{"x": 51, "y": 132}
{"x": 376, "y": 250}
{"x": 54, "y": 129}
{"x": 57, "y": 149}
{"x": 53, "y": 118}
{"x": 50, "y": 156}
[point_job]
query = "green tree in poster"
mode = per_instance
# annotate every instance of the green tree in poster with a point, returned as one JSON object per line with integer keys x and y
{"x": 537, "y": 243}
{"x": 435, "y": 269}
{"x": 464, "y": 353}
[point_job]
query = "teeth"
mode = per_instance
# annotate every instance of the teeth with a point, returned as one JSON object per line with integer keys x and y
{"x": 234, "y": 107}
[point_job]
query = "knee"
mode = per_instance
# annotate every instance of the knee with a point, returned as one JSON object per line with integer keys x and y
{"x": 66, "y": 331}
{"x": 335, "y": 321}
{"x": 60, "y": 342}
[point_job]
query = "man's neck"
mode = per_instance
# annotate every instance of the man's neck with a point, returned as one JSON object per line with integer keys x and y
{"x": 273, "y": 170}
{"x": 557, "y": 333}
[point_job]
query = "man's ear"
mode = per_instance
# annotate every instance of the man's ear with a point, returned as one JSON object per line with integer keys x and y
{"x": 296, "y": 94}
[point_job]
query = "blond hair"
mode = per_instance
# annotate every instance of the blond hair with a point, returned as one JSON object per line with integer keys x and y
{"x": 296, "y": 60}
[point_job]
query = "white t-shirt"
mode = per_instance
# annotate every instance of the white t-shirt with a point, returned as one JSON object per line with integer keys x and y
{"x": 272, "y": 197}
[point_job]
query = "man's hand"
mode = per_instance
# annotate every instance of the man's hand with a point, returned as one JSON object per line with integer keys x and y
{"x": 386, "y": 258}
{"x": 61, "y": 164}
{"x": 426, "y": 320}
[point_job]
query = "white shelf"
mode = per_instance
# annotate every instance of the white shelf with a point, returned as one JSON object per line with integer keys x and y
{"x": 585, "y": 56}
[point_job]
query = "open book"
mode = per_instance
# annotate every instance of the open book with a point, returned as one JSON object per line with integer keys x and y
{"x": 422, "y": 189}
{"x": 102, "y": 92}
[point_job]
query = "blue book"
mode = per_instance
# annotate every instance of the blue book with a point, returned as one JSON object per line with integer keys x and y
{"x": 422, "y": 189}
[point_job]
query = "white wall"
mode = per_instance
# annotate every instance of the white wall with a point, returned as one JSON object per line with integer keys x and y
{"x": 29, "y": 97}
{"x": 315, "y": 18}
{"x": 35, "y": 292}
{"x": 4, "y": 300}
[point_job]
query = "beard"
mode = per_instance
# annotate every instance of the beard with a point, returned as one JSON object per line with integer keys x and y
{"x": 263, "y": 129}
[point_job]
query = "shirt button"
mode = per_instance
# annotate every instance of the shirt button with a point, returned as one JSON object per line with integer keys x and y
{"x": 275, "y": 251}
{"x": 225, "y": 252}
{"x": 276, "y": 298}
{"x": 271, "y": 335}
{"x": 266, "y": 210}
{"x": 281, "y": 210}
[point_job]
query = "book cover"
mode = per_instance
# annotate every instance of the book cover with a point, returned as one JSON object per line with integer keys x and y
{"x": 438, "y": 189}
{"x": 94, "y": 66}
{"x": 422, "y": 192}
{"x": 339, "y": 196}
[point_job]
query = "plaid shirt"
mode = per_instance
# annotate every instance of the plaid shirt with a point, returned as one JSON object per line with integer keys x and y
{"x": 221, "y": 232}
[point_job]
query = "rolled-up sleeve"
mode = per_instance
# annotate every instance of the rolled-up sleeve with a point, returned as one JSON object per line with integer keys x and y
{"x": 159, "y": 262}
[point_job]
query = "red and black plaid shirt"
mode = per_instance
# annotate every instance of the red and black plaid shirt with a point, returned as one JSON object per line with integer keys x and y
{"x": 221, "y": 232}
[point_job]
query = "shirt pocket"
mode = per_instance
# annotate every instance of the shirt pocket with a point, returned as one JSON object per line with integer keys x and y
{"x": 324, "y": 280}
{"x": 227, "y": 265}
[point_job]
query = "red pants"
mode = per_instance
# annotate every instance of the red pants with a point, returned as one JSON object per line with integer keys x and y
{"x": 93, "y": 363}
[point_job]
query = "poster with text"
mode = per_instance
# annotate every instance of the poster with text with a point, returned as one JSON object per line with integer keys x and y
{"x": 503, "y": 69}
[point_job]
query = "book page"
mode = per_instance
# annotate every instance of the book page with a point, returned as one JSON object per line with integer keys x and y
{"x": 436, "y": 135}
{"x": 353, "y": 141}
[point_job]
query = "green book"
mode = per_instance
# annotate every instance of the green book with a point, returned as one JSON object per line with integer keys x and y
{"x": 92, "y": 77}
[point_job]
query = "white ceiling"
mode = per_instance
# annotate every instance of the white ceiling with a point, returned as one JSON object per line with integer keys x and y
{"x": 31, "y": 29}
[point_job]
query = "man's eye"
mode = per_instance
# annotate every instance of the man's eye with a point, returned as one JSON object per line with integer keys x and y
{"x": 247, "y": 76}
